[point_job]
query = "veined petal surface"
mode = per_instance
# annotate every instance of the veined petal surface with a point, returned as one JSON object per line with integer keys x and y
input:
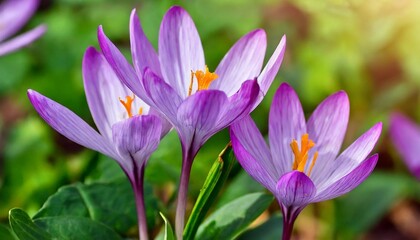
{"x": 295, "y": 189}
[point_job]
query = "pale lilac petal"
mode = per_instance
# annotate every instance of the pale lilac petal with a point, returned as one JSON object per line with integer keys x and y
{"x": 122, "y": 68}
{"x": 263, "y": 174}
{"x": 286, "y": 122}
{"x": 348, "y": 182}
{"x": 271, "y": 68}
{"x": 240, "y": 104}
{"x": 137, "y": 137}
{"x": 143, "y": 53}
{"x": 103, "y": 90}
{"x": 199, "y": 114}
{"x": 327, "y": 127}
{"x": 180, "y": 49}
{"x": 295, "y": 189}
{"x": 70, "y": 125}
{"x": 405, "y": 135}
{"x": 243, "y": 61}
{"x": 166, "y": 125}
{"x": 350, "y": 158}
{"x": 14, "y": 14}
{"x": 250, "y": 139}
{"x": 21, "y": 40}
{"x": 162, "y": 96}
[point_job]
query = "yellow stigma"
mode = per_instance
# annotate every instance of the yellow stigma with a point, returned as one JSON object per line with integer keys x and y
{"x": 128, "y": 104}
{"x": 204, "y": 79}
{"x": 301, "y": 156}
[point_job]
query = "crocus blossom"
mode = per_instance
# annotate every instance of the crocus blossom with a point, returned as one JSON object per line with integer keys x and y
{"x": 177, "y": 82}
{"x": 129, "y": 131}
{"x": 13, "y": 15}
{"x": 302, "y": 164}
{"x": 405, "y": 135}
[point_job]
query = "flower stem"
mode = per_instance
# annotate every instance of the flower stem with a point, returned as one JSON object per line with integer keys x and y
{"x": 138, "y": 187}
{"x": 289, "y": 216}
{"x": 183, "y": 193}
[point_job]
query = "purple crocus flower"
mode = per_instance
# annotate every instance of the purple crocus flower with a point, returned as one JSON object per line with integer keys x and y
{"x": 129, "y": 131}
{"x": 301, "y": 165}
{"x": 13, "y": 15}
{"x": 405, "y": 135}
{"x": 177, "y": 82}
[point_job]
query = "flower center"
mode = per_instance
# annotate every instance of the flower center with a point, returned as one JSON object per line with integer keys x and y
{"x": 301, "y": 156}
{"x": 128, "y": 104}
{"x": 204, "y": 79}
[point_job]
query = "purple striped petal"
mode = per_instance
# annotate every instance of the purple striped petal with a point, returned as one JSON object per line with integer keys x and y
{"x": 327, "y": 127}
{"x": 14, "y": 14}
{"x": 405, "y": 135}
{"x": 122, "y": 68}
{"x": 180, "y": 49}
{"x": 271, "y": 68}
{"x": 142, "y": 51}
{"x": 286, "y": 122}
{"x": 246, "y": 136}
{"x": 240, "y": 104}
{"x": 348, "y": 182}
{"x": 103, "y": 90}
{"x": 137, "y": 137}
{"x": 295, "y": 189}
{"x": 21, "y": 40}
{"x": 350, "y": 158}
{"x": 243, "y": 61}
{"x": 162, "y": 96}
{"x": 198, "y": 115}
{"x": 70, "y": 125}
{"x": 252, "y": 152}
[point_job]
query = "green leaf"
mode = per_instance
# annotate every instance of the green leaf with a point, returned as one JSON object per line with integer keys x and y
{"x": 69, "y": 227}
{"x": 211, "y": 188}
{"x": 110, "y": 203}
{"x": 360, "y": 209}
{"x": 272, "y": 229}
{"x": 23, "y": 226}
{"x": 168, "y": 234}
{"x": 6, "y": 233}
{"x": 231, "y": 219}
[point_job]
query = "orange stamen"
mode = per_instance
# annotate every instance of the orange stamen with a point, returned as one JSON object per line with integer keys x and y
{"x": 204, "y": 79}
{"x": 140, "y": 110}
{"x": 301, "y": 156}
{"x": 127, "y": 104}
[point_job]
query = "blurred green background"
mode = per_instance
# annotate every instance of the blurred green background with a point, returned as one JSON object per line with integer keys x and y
{"x": 370, "y": 49}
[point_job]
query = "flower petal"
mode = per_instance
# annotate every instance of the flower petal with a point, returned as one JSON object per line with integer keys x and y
{"x": 271, "y": 68}
{"x": 295, "y": 189}
{"x": 243, "y": 61}
{"x": 240, "y": 104}
{"x": 198, "y": 115}
{"x": 162, "y": 96}
{"x": 255, "y": 168}
{"x": 143, "y": 53}
{"x": 405, "y": 135}
{"x": 122, "y": 68}
{"x": 14, "y": 14}
{"x": 180, "y": 49}
{"x": 327, "y": 127}
{"x": 348, "y": 182}
{"x": 286, "y": 122}
{"x": 22, "y": 40}
{"x": 103, "y": 90}
{"x": 252, "y": 152}
{"x": 137, "y": 137}
{"x": 70, "y": 125}
{"x": 350, "y": 158}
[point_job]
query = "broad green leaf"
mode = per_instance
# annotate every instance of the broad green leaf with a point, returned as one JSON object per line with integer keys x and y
{"x": 69, "y": 227}
{"x": 24, "y": 228}
{"x": 6, "y": 233}
{"x": 110, "y": 203}
{"x": 272, "y": 229}
{"x": 168, "y": 232}
{"x": 231, "y": 219}
{"x": 360, "y": 209}
{"x": 211, "y": 188}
